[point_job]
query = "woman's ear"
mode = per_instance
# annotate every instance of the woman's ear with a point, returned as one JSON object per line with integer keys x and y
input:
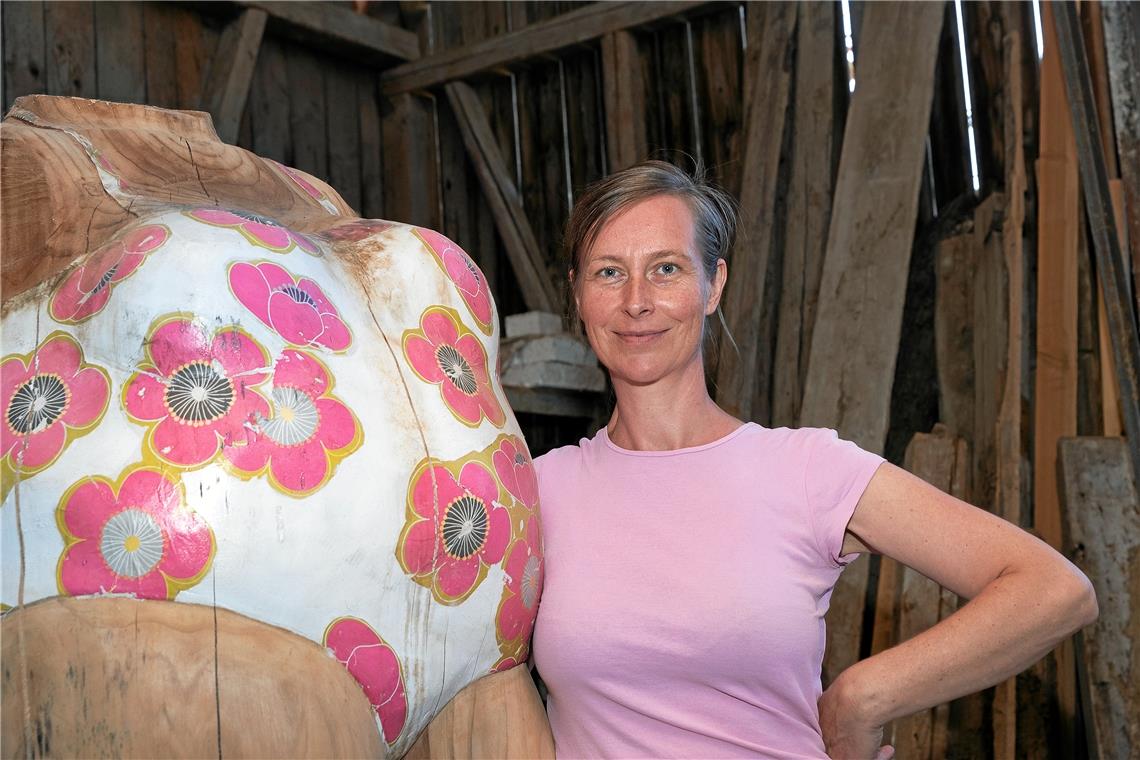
{"x": 719, "y": 278}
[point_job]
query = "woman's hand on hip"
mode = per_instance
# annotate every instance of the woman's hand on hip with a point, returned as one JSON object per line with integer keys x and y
{"x": 847, "y": 733}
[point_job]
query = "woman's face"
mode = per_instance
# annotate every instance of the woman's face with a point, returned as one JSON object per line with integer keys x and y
{"x": 642, "y": 293}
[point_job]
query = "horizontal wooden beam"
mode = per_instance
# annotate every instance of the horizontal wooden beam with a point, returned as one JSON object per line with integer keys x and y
{"x": 566, "y": 30}
{"x": 338, "y": 30}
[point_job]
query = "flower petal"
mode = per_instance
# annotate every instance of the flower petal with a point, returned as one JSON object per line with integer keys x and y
{"x": 269, "y": 235}
{"x": 88, "y": 508}
{"x": 477, "y": 479}
{"x": 439, "y": 328}
{"x": 251, "y": 288}
{"x": 90, "y": 390}
{"x": 498, "y": 534}
{"x": 60, "y": 355}
{"x": 297, "y": 323}
{"x": 184, "y": 445}
{"x": 296, "y": 369}
{"x": 466, "y": 407}
{"x": 189, "y": 545}
{"x": 420, "y": 548}
{"x": 335, "y": 335}
{"x": 430, "y": 495}
{"x": 238, "y": 353}
{"x": 38, "y": 449}
{"x": 300, "y": 468}
{"x": 216, "y": 216}
{"x": 455, "y": 577}
{"x": 421, "y": 355}
{"x": 176, "y": 343}
{"x": 144, "y": 398}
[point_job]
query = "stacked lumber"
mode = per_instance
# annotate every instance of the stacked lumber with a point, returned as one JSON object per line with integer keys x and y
{"x": 537, "y": 354}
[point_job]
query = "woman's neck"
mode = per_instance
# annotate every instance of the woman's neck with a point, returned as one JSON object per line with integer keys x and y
{"x": 672, "y": 413}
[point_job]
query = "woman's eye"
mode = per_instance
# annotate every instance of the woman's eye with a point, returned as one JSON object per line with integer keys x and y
{"x": 607, "y": 272}
{"x": 668, "y": 268}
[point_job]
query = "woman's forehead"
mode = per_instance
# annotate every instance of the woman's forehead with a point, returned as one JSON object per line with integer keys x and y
{"x": 662, "y": 223}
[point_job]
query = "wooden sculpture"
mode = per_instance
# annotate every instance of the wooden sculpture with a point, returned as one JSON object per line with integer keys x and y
{"x": 262, "y": 492}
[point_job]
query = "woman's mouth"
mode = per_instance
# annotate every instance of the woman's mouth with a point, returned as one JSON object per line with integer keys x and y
{"x": 638, "y": 337}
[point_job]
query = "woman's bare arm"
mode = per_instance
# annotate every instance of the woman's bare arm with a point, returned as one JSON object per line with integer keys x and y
{"x": 1024, "y": 599}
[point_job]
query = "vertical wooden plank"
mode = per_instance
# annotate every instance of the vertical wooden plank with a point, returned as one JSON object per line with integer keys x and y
{"x": 119, "y": 52}
{"x": 676, "y": 138}
{"x": 226, "y": 89}
{"x": 343, "y": 127}
{"x": 1100, "y": 495}
{"x": 624, "y": 99}
{"x": 411, "y": 192}
{"x": 25, "y": 54}
{"x": 719, "y": 61}
{"x": 307, "y": 111}
{"x": 371, "y": 155}
{"x": 1008, "y": 435}
{"x": 855, "y": 339}
{"x": 268, "y": 106}
{"x": 193, "y": 46}
{"x": 70, "y": 30}
{"x": 767, "y": 83}
{"x": 158, "y": 55}
{"x": 1122, "y": 45}
{"x": 809, "y": 205}
{"x": 584, "y": 120}
{"x": 1055, "y": 406}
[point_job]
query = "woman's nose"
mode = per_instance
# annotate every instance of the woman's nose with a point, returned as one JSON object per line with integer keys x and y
{"x": 637, "y": 297}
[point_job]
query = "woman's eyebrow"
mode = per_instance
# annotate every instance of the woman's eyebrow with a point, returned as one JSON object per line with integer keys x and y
{"x": 663, "y": 253}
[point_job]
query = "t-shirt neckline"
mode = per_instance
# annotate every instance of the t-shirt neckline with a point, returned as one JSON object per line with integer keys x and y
{"x": 604, "y": 434}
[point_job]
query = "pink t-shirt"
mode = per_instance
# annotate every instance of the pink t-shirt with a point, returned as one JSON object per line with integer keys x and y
{"x": 682, "y": 611}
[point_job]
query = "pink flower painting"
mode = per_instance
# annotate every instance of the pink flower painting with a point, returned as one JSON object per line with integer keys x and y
{"x": 51, "y": 397}
{"x": 446, "y": 353}
{"x": 296, "y": 308}
{"x": 195, "y": 391}
{"x": 86, "y": 290}
{"x": 462, "y": 271}
{"x": 516, "y": 471}
{"x": 299, "y": 442}
{"x": 455, "y": 529}
{"x": 519, "y": 605}
{"x": 370, "y": 660}
{"x": 258, "y": 230}
{"x": 135, "y": 536}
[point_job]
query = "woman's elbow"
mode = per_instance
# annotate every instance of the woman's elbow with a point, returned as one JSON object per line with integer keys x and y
{"x": 1078, "y": 599}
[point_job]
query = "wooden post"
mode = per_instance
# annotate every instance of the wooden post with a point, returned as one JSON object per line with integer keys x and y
{"x": 231, "y": 72}
{"x": 1100, "y": 496}
{"x": 863, "y": 286}
{"x": 809, "y": 205}
{"x": 1055, "y": 406}
{"x": 766, "y": 82}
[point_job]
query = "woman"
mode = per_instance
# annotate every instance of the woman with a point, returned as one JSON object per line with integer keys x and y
{"x": 690, "y": 557}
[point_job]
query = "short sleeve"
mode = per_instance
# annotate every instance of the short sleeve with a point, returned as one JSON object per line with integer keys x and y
{"x": 835, "y": 476}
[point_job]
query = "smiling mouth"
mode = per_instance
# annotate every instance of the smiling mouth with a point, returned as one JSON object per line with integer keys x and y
{"x": 639, "y": 336}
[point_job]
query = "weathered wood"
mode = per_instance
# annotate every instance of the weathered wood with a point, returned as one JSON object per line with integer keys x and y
{"x": 550, "y": 36}
{"x": 461, "y": 729}
{"x": 767, "y": 83}
{"x": 70, "y": 29}
{"x": 269, "y": 104}
{"x": 1110, "y": 391}
{"x": 554, "y": 402}
{"x": 1122, "y": 44}
{"x": 335, "y": 29}
{"x": 503, "y": 198}
{"x": 990, "y": 355}
{"x": 231, "y": 72}
{"x": 857, "y": 326}
{"x": 809, "y": 205}
{"x": 192, "y": 52}
{"x": 955, "y": 263}
{"x": 1055, "y": 404}
{"x": 307, "y": 111}
{"x": 625, "y": 100}
{"x": 158, "y": 55}
{"x": 1007, "y": 502}
{"x": 343, "y": 128}
{"x": 119, "y": 54}
{"x": 93, "y": 667}
{"x": 371, "y": 155}
{"x": 1100, "y": 496}
{"x": 1102, "y": 225}
{"x": 25, "y": 53}
{"x": 411, "y": 192}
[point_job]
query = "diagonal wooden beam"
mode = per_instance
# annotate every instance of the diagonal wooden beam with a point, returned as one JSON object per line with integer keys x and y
{"x": 231, "y": 72}
{"x": 336, "y": 29}
{"x": 566, "y": 30}
{"x": 855, "y": 341}
{"x": 539, "y": 291}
